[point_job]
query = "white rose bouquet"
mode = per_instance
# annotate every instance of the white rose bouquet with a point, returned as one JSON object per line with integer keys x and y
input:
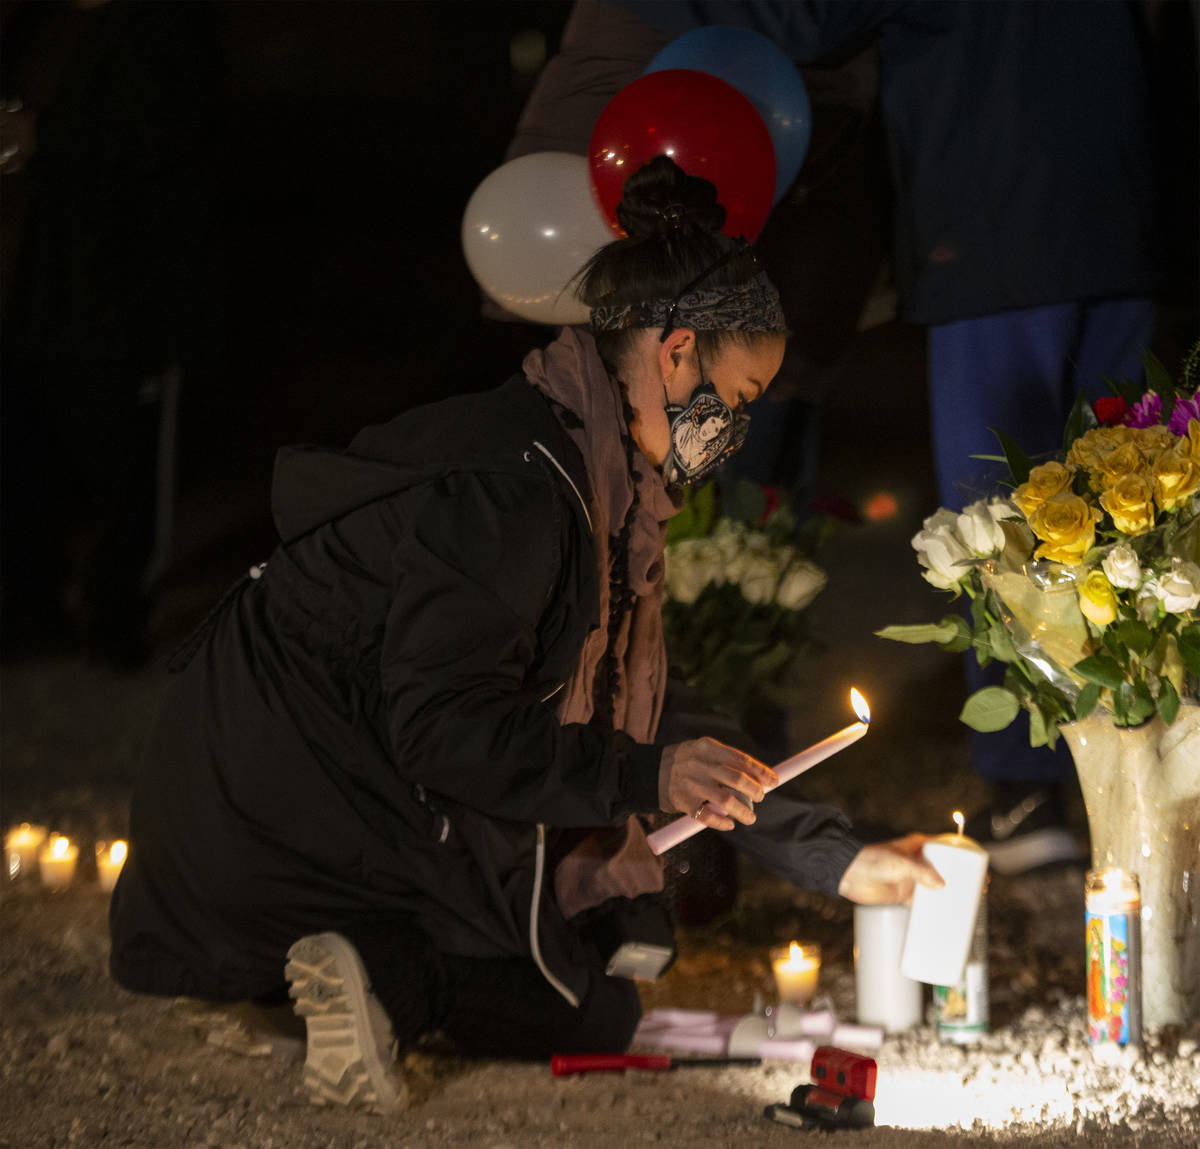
{"x": 739, "y": 577}
{"x": 1085, "y": 581}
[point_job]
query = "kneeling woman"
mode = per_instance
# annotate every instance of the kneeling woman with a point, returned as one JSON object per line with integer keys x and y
{"x": 402, "y": 763}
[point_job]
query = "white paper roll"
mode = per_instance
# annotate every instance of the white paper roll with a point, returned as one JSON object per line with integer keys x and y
{"x": 941, "y": 922}
{"x": 885, "y": 997}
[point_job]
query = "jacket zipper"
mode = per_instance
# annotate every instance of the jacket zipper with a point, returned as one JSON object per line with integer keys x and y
{"x": 539, "y": 866}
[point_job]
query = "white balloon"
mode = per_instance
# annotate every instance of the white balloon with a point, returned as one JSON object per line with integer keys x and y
{"x": 528, "y": 228}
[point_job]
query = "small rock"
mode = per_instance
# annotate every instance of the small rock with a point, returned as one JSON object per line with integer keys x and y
{"x": 59, "y": 1045}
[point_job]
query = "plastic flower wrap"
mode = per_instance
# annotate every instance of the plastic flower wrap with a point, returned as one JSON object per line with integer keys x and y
{"x": 738, "y": 577}
{"x": 1085, "y": 579}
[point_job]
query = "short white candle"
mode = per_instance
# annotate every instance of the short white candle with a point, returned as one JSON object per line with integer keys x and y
{"x": 884, "y": 995}
{"x": 942, "y": 922}
{"x": 796, "y": 969}
{"x": 22, "y": 845}
{"x": 57, "y": 862}
{"x": 109, "y": 862}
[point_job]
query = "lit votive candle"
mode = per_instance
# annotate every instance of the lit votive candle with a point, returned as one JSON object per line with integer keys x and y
{"x": 57, "y": 862}
{"x": 22, "y": 845}
{"x": 796, "y": 968}
{"x": 109, "y": 860}
{"x": 941, "y": 922}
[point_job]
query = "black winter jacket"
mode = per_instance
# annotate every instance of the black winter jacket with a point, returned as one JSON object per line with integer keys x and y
{"x": 333, "y": 751}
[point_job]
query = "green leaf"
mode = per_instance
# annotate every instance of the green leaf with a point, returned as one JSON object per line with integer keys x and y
{"x": 989, "y": 709}
{"x": 1099, "y": 668}
{"x": 1128, "y": 389}
{"x": 1135, "y": 635}
{"x": 1133, "y": 703}
{"x": 1088, "y": 697}
{"x": 1082, "y": 418}
{"x": 1038, "y": 733}
{"x": 1189, "y": 647}
{"x": 1018, "y": 462}
{"x": 1168, "y": 700}
{"x": 942, "y": 631}
{"x": 746, "y": 502}
{"x": 961, "y": 638}
{"x": 1158, "y": 378}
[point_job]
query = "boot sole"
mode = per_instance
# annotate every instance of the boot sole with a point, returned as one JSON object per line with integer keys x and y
{"x": 342, "y": 1066}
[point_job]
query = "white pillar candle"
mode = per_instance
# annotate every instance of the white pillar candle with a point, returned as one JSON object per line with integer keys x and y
{"x": 109, "y": 861}
{"x": 942, "y": 922}
{"x": 22, "y": 844}
{"x": 57, "y": 862}
{"x": 796, "y": 968}
{"x": 884, "y": 996}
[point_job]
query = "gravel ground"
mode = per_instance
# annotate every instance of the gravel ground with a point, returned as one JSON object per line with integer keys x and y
{"x": 82, "y": 1063}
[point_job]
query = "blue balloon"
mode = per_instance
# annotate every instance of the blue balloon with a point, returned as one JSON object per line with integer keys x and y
{"x": 764, "y": 74}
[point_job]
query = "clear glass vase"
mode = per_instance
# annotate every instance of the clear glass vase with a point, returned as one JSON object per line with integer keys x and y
{"x": 1141, "y": 787}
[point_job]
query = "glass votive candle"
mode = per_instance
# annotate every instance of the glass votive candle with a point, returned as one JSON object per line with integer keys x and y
{"x": 22, "y": 844}
{"x": 797, "y": 967}
{"x": 109, "y": 860}
{"x": 57, "y": 862}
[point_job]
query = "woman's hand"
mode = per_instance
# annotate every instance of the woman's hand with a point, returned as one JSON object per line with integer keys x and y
{"x": 704, "y": 777}
{"x": 886, "y": 873}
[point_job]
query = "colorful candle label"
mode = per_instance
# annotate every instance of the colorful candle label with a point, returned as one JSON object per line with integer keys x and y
{"x": 1113, "y": 996}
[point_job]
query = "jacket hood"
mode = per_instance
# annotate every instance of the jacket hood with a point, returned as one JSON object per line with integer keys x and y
{"x": 486, "y": 431}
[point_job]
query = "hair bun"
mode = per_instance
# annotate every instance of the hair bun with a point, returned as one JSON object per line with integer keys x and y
{"x": 660, "y": 198}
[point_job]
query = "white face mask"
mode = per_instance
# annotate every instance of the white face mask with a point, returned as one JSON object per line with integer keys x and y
{"x": 703, "y": 435}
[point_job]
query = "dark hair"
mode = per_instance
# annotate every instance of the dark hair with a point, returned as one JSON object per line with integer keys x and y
{"x": 672, "y": 223}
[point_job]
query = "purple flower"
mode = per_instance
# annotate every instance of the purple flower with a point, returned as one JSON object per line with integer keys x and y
{"x": 1146, "y": 412}
{"x": 1185, "y": 409}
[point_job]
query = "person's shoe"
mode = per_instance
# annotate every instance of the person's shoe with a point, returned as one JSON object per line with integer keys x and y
{"x": 350, "y": 1047}
{"x": 1025, "y": 828}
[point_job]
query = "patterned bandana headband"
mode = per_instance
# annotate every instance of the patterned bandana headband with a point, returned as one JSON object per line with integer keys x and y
{"x": 750, "y": 306}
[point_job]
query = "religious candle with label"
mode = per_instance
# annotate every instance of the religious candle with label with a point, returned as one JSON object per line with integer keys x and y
{"x": 22, "y": 844}
{"x": 109, "y": 860}
{"x": 941, "y": 922}
{"x": 1113, "y": 952}
{"x": 796, "y": 968}
{"x": 961, "y": 1011}
{"x": 57, "y": 862}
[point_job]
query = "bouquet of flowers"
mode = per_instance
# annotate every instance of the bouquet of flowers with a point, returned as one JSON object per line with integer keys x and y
{"x": 738, "y": 579}
{"x": 1085, "y": 580}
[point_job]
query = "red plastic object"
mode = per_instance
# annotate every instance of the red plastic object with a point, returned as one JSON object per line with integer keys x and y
{"x": 562, "y": 1064}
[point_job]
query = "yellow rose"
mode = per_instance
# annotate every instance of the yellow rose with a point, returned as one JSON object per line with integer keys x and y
{"x": 1123, "y": 460}
{"x": 1152, "y": 441}
{"x": 1066, "y": 524}
{"x": 1176, "y": 478}
{"x": 1044, "y": 481}
{"x": 1193, "y": 439}
{"x": 1090, "y": 448}
{"x": 1131, "y": 503}
{"x": 1097, "y": 599}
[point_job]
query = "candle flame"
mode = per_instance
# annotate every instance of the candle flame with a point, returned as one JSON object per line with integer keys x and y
{"x": 118, "y": 851}
{"x": 959, "y": 821}
{"x": 860, "y": 706}
{"x": 795, "y": 953}
{"x": 60, "y": 847}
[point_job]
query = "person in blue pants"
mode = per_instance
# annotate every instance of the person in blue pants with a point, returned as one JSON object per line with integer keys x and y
{"x": 1020, "y": 372}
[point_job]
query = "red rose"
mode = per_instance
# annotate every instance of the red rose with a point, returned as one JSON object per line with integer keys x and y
{"x": 1110, "y": 410}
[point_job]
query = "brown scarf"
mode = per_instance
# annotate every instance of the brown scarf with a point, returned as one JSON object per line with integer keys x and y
{"x": 611, "y": 862}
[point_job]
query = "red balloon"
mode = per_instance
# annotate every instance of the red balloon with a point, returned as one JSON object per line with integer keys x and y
{"x": 705, "y": 125}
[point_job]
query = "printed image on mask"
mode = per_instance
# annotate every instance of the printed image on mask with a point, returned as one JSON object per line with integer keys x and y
{"x": 703, "y": 435}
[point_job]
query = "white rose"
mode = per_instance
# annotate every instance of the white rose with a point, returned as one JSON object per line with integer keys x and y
{"x": 1122, "y": 568}
{"x": 689, "y": 566}
{"x": 938, "y": 548}
{"x": 802, "y": 583}
{"x": 1179, "y": 589}
{"x": 757, "y": 579}
{"x": 979, "y": 528}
